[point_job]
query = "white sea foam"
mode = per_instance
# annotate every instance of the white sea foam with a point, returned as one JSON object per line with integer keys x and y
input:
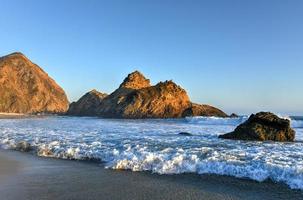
{"x": 154, "y": 145}
{"x": 217, "y": 120}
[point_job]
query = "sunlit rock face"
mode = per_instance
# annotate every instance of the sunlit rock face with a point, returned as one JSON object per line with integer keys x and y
{"x": 26, "y": 88}
{"x": 135, "y": 80}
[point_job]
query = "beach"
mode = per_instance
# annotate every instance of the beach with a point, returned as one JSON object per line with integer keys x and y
{"x": 148, "y": 100}
{"x": 31, "y": 177}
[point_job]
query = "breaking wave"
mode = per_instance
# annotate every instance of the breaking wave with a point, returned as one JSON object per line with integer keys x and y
{"x": 296, "y": 122}
{"x": 217, "y": 120}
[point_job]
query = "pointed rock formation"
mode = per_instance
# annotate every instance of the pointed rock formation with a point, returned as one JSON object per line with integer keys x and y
{"x": 136, "y": 98}
{"x": 164, "y": 100}
{"x": 263, "y": 126}
{"x": 26, "y": 88}
{"x": 87, "y": 105}
{"x": 136, "y": 81}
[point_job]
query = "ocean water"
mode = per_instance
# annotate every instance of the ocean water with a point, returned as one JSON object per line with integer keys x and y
{"x": 154, "y": 145}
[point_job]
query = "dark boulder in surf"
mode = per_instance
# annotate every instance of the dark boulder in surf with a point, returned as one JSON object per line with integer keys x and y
{"x": 263, "y": 126}
{"x": 23, "y": 146}
{"x": 185, "y": 134}
{"x": 233, "y": 115}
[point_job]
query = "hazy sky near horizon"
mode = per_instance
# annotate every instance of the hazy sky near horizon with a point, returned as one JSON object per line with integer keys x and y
{"x": 239, "y": 55}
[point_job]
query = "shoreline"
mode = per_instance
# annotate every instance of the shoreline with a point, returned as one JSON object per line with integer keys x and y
{"x": 48, "y": 178}
{"x": 12, "y": 115}
{"x": 24, "y": 116}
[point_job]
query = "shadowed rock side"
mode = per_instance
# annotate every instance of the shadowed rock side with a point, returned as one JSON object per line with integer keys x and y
{"x": 87, "y": 105}
{"x": 26, "y": 88}
{"x": 263, "y": 126}
{"x": 203, "y": 110}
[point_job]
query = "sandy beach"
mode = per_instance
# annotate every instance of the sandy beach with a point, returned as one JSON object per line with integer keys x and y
{"x": 31, "y": 177}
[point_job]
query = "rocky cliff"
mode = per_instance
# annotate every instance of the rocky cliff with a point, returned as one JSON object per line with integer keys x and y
{"x": 26, "y": 88}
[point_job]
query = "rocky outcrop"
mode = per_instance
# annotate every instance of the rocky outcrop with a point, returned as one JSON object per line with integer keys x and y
{"x": 263, "y": 126}
{"x": 136, "y": 98}
{"x": 203, "y": 110}
{"x": 164, "y": 100}
{"x": 26, "y": 88}
{"x": 87, "y": 105}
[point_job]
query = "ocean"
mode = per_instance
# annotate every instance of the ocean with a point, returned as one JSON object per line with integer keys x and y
{"x": 154, "y": 145}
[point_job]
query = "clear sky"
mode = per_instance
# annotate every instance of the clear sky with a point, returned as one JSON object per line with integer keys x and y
{"x": 241, "y": 56}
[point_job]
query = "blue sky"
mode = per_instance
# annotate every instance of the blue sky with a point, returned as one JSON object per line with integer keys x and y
{"x": 241, "y": 56}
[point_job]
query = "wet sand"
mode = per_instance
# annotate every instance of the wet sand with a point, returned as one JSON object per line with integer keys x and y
{"x": 8, "y": 167}
{"x": 32, "y": 177}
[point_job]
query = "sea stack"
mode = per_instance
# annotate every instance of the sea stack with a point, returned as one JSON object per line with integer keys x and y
{"x": 87, "y": 105}
{"x": 263, "y": 126}
{"x": 164, "y": 100}
{"x": 136, "y": 98}
{"x": 26, "y": 88}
